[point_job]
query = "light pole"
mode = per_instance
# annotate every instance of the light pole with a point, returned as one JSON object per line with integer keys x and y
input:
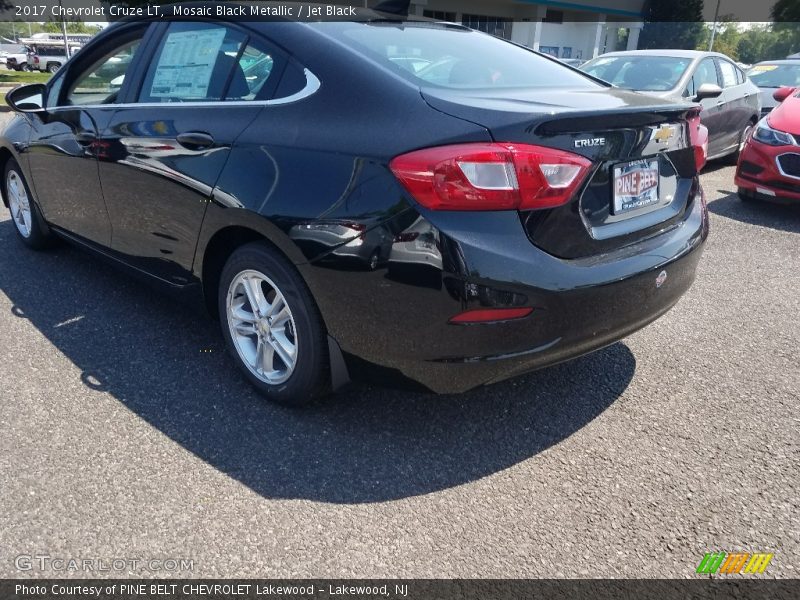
{"x": 64, "y": 31}
{"x": 714, "y": 30}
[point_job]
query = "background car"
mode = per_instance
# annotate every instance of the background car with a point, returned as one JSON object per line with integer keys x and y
{"x": 572, "y": 62}
{"x": 7, "y": 50}
{"x": 362, "y": 243}
{"x": 18, "y": 59}
{"x": 769, "y": 165}
{"x": 418, "y": 244}
{"x": 771, "y": 75}
{"x": 544, "y": 233}
{"x": 731, "y": 103}
{"x": 49, "y": 58}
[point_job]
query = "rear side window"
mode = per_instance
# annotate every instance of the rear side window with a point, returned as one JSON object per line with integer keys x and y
{"x": 430, "y": 54}
{"x": 209, "y": 62}
{"x": 728, "y": 74}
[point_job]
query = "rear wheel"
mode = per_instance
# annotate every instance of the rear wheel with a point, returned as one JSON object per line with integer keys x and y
{"x": 28, "y": 223}
{"x": 53, "y": 67}
{"x": 272, "y": 326}
{"x": 734, "y": 158}
{"x": 374, "y": 260}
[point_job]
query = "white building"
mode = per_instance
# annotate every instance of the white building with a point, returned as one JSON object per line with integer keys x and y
{"x": 580, "y": 29}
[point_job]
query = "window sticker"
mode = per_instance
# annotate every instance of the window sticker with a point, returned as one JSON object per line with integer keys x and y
{"x": 763, "y": 68}
{"x": 186, "y": 63}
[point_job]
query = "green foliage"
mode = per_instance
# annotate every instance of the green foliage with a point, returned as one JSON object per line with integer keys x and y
{"x": 12, "y": 31}
{"x": 7, "y": 77}
{"x": 765, "y": 42}
{"x": 786, "y": 15}
{"x": 72, "y": 27}
{"x": 676, "y": 25}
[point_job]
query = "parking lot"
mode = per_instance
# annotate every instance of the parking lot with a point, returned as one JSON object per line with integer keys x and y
{"x": 125, "y": 431}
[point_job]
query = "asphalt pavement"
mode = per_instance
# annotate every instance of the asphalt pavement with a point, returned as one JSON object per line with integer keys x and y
{"x": 126, "y": 432}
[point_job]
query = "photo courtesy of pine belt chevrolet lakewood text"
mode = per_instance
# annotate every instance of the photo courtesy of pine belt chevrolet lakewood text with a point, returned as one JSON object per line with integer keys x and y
{"x": 394, "y": 197}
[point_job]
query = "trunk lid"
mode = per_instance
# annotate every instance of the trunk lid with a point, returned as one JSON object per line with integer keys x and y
{"x": 643, "y": 177}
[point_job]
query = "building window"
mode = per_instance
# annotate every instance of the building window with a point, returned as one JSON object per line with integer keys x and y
{"x": 553, "y": 16}
{"x": 496, "y": 26}
{"x": 439, "y": 15}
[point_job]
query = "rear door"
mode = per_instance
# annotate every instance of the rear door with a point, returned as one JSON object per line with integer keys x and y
{"x": 168, "y": 143}
{"x": 713, "y": 115}
{"x": 735, "y": 93}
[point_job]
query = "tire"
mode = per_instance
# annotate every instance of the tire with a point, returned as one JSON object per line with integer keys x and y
{"x": 374, "y": 260}
{"x": 53, "y": 67}
{"x": 28, "y": 221}
{"x": 264, "y": 346}
{"x": 733, "y": 159}
{"x": 744, "y": 196}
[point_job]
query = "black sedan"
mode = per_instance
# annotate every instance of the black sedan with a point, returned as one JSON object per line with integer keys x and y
{"x": 343, "y": 215}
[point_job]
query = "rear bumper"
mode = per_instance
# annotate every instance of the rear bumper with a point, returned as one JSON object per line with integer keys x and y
{"x": 397, "y": 318}
{"x": 758, "y": 175}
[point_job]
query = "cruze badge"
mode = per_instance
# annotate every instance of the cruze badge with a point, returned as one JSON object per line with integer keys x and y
{"x": 662, "y": 277}
{"x": 590, "y": 142}
{"x": 664, "y": 133}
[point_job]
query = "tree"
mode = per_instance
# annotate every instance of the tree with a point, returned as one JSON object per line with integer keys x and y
{"x": 764, "y": 42}
{"x": 786, "y": 17}
{"x": 72, "y": 27}
{"x": 675, "y": 25}
{"x": 13, "y": 30}
{"x": 726, "y": 41}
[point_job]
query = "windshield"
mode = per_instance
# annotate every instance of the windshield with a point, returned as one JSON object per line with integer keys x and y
{"x": 775, "y": 76}
{"x": 430, "y": 54}
{"x": 641, "y": 73}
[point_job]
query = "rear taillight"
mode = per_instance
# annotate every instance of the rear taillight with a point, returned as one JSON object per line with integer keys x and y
{"x": 488, "y": 176}
{"x": 406, "y": 237}
{"x": 698, "y": 135}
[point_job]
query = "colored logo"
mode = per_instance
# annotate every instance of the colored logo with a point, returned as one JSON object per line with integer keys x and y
{"x": 663, "y": 133}
{"x": 729, "y": 563}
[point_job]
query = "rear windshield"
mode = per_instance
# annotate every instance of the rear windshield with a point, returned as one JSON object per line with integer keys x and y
{"x": 430, "y": 54}
{"x": 775, "y": 76}
{"x": 640, "y": 73}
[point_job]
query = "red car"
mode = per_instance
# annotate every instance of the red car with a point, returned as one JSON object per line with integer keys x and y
{"x": 769, "y": 163}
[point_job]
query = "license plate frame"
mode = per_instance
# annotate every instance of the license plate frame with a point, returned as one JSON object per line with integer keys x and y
{"x": 635, "y": 185}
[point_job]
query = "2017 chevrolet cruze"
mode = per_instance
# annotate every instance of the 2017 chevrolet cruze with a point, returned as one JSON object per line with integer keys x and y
{"x": 407, "y": 198}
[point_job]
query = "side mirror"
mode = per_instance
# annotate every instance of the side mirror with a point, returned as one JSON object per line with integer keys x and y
{"x": 27, "y": 98}
{"x": 707, "y": 90}
{"x": 782, "y": 93}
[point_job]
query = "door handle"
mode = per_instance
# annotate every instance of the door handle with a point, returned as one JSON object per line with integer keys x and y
{"x": 195, "y": 140}
{"x": 85, "y": 138}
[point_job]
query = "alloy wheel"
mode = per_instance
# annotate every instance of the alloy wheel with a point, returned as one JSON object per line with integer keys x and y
{"x": 19, "y": 203}
{"x": 262, "y": 327}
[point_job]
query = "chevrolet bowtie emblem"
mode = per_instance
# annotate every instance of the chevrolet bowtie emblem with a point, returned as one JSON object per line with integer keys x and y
{"x": 664, "y": 133}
